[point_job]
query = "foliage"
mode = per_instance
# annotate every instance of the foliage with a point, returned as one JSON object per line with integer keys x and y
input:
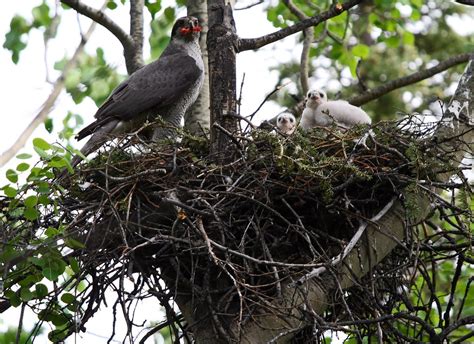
{"x": 378, "y": 42}
{"x": 9, "y": 336}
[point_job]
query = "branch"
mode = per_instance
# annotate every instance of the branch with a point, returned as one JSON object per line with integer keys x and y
{"x": 255, "y": 43}
{"x": 409, "y": 79}
{"x": 49, "y": 103}
{"x": 308, "y": 34}
{"x": 136, "y": 31}
{"x": 355, "y": 239}
{"x": 101, "y": 18}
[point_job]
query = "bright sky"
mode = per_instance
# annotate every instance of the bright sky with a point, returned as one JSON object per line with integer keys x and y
{"x": 24, "y": 89}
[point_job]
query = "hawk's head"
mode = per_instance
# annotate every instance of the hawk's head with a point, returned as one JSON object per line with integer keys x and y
{"x": 314, "y": 98}
{"x": 186, "y": 28}
{"x": 286, "y": 123}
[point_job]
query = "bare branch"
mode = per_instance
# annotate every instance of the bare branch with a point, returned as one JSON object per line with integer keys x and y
{"x": 409, "y": 79}
{"x": 255, "y": 43}
{"x": 136, "y": 31}
{"x": 249, "y": 6}
{"x": 308, "y": 39}
{"x": 101, "y": 18}
{"x": 49, "y": 103}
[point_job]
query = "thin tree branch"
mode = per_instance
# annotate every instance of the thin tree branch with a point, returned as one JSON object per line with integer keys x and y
{"x": 249, "y": 6}
{"x": 409, "y": 79}
{"x": 342, "y": 256}
{"x": 49, "y": 103}
{"x": 136, "y": 31}
{"x": 101, "y": 18}
{"x": 304, "y": 63}
{"x": 308, "y": 34}
{"x": 244, "y": 44}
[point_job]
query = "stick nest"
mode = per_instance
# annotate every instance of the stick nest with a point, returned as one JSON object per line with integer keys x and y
{"x": 231, "y": 236}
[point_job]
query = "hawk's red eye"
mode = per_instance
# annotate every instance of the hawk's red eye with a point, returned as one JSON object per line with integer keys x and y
{"x": 197, "y": 29}
{"x": 184, "y": 31}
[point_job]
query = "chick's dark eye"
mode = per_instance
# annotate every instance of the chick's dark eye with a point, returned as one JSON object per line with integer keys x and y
{"x": 321, "y": 94}
{"x": 291, "y": 120}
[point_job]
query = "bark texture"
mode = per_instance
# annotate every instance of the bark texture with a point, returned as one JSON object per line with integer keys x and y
{"x": 221, "y": 41}
{"x": 197, "y": 119}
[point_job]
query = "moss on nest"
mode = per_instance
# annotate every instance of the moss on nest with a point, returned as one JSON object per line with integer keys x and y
{"x": 285, "y": 204}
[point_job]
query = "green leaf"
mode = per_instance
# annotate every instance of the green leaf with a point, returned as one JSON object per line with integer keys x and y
{"x": 41, "y": 15}
{"x": 12, "y": 176}
{"x": 153, "y": 7}
{"x": 99, "y": 89}
{"x": 73, "y": 78}
{"x": 51, "y": 232}
{"x": 41, "y": 290}
{"x": 68, "y": 298}
{"x": 22, "y": 167}
{"x": 43, "y": 187}
{"x": 30, "y": 280}
{"x": 72, "y": 243}
{"x": 58, "y": 335}
{"x": 42, "y": 153}
{"x": 361, "y": 50}
{"x": 31, "y": 214}
{"x": 51, "y": 273}
{"x": 415, "y": 15}
{"x": 44, "y": 200}
{"x": 42, "y": 144}
{"x": 15, "y": 38}
{"x": 31, "y": 201}
{"x": 10, "y": 191}
{"x": 170, "y": 13}
{"x": 26, "y": 294}
{"x": 111, "y": 5}
{"x": 52, "y": 267}
{"x": 48, "y": 125}
{"x": 13, "y": 297}
{"x": 74, "y": 264}
{"x": 58, "y": 161}
{"x": 23, "y": 156}
{"x": 408, "y": 38}
{"x": 59, "y": 319}
{"x": 393, "y": 41}
{"x": 336, "y": 52}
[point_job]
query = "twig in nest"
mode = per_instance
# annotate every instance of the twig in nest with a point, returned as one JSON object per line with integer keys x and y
{"x": 229, "y": 134}
{"x": 160, "y": 171}
{"x": 318, "y": 271}
{"x": 277, "y": 88}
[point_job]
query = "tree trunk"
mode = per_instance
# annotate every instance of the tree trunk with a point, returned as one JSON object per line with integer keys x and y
{"x": 197, "y": 119}
{"x": 221, "y": 41}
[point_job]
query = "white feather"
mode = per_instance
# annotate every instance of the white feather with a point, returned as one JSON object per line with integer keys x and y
{"x": 286, "y": 123}
{"x": 321, "y": 112}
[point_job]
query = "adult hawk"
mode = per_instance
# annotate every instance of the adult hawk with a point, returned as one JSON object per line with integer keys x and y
{"x": 166, "y": 87}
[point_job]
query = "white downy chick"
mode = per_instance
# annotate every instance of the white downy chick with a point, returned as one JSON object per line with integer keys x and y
{"x": 323, "y": 113}
{"x": 286, "y": 123}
